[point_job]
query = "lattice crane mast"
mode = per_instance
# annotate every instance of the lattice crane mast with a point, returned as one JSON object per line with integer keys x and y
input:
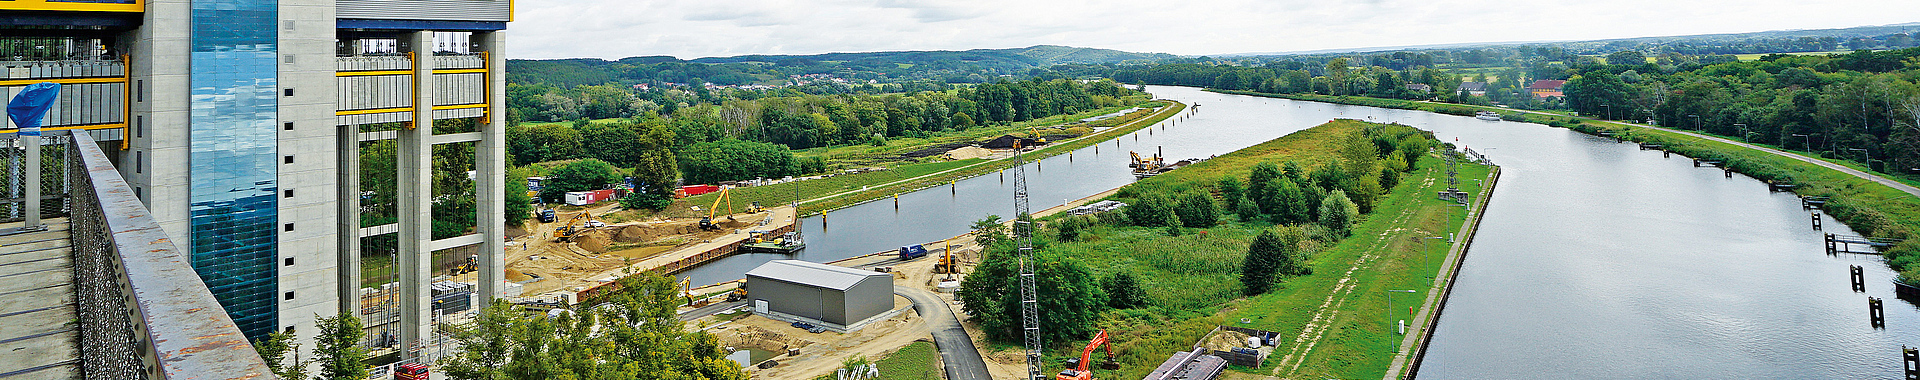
{"x": 1023, "y": 234}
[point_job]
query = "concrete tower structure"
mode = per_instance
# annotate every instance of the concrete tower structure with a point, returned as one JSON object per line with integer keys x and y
{"x": 241, "y": 125}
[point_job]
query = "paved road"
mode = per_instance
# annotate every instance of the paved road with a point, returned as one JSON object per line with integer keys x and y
{"x": 962, "y": 359}
{"x": 709, "y": 310}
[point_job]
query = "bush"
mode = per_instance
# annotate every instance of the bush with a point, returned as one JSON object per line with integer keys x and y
{"x": 1124, "y": 291}
{"x": 1151, "y": 210}
{"x": 582, "y": 175}
{"x": 1337, "y": 213}
{"x": 1196, "y": 210}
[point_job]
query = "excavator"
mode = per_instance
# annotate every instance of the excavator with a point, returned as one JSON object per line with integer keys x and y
{"x": 725, "y": 196}
{"x": 580, "y": 223}
{"x": 1036, "y": 135}
{"x": 1079, "y": 369}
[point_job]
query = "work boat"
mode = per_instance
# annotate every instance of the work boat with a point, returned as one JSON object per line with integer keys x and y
{"x": 1487, "y": 115}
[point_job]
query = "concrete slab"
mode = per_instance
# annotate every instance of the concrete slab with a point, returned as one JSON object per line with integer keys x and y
{"x": 34, "y": 299}
{"x": 50, "y": 350}
{"x": 36, "y": 305}
{"x": 44, "y": 254}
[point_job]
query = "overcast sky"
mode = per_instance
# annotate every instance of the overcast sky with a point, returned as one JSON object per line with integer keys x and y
{"x": 710, "y": 28}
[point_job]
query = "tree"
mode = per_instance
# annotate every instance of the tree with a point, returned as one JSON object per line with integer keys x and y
{"x": 582, "y": 175}
{"x": 1258, "y": 269}
{"x": 1151, "y": 210}
{"x": 734, "y": 160}
{"x": 519, "y": 205}
{"x": 274, "y": 351}
{"x": 1197, "y": 210}
{"x": 655, "y": 166}
{"x": 1261, "y": 188}
{"x": 484, "y": 346}
{"x": 1337, "y": 213}
{"x": 1626, "y": 58}
{"x": 338, "y": 350}
{"x": 1124, "y": 291}
{"x": 989, "y": 231}
{"x": 630, "y": 334}
{"x": 1072, "y": 305}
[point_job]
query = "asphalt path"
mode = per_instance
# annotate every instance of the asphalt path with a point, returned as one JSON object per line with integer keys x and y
{"x": 957, "y": 352}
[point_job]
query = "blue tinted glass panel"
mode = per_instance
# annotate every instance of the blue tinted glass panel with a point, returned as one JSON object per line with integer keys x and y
{"x": 234, "y": 158}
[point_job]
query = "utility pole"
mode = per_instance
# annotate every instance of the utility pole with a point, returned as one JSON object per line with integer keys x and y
{"x": 1023, "y": 234}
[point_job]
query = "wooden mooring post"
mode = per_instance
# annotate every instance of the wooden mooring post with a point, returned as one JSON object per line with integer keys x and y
{"x": 1876, "y": 313}
{"x": 1816, "y": 220}
{"x": 1911, "y": 357}
{"x": 1728, "y": 171}
{"x": 1833, "y": 248}
{"x": 1859, "y": 277}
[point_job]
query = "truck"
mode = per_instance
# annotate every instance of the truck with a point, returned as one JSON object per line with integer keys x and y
{"x": 411, "y": 371}
{"x": 583, "y": 198}
{"x": 912, "y": 252}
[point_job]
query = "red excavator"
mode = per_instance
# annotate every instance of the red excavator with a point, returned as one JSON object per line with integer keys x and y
{"x": 1079, "y": 371}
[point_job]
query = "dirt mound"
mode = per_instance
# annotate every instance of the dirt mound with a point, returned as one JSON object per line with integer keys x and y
{"x": 516, "y": 276}
{"x": 968, "y": 152}
{"x": 594, "y": 241}
{"x": 934, "y": 150}
{"x": 649, "y": 233}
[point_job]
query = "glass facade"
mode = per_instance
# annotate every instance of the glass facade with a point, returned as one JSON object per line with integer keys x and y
{"x": 234, "y": 157}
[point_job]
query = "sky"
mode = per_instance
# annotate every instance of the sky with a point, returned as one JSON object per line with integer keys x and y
{"x": 689, "y": 29}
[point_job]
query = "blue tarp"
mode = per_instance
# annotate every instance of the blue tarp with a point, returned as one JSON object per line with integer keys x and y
{"x": 31, "y": 105}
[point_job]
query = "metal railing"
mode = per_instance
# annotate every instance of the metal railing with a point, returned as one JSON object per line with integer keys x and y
{"x": 143, "y": 311}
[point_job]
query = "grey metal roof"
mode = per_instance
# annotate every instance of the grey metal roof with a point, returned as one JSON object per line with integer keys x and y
{"x": 810, "y": 273}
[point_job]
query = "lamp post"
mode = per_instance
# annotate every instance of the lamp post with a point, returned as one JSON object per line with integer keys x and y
{"x": 1743, "y": 131}
{"x": 1392, "y": 323}
{"x": 1696, "y": 121}
{"x": 1869, "y": 161}
{"x": 1808, "y": 146}
{"x": 1609, "y": 108}
{"x": 1423, "y": 254}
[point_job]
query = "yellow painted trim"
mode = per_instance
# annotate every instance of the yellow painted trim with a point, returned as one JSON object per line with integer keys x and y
{"x": 372, "y": 111}
{"x": 73, "y": 127}
{"x": 460, "y": 71}
{"x": 371, "y": 73}
{"x": 459, "y": 106}
{"x": 23, "y": 82}
{"x": 414, "y": 61}
{"x": 67, "y": 6}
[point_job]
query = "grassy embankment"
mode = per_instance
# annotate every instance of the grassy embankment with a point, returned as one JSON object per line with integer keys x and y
{"x": 1867, "y": 207}
{"x": 1193, "y": 279}
{"x": 847, "y": 190}
{"x": 916, "y": 361}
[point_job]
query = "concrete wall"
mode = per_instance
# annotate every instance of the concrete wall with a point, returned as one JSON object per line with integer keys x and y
{"x": 160, "y": 66}
{"x": 306, "y": 38}
{"x": 448, "y": 10}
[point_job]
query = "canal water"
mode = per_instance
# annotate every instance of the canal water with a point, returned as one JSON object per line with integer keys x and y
{"x": 1594, "y": 259}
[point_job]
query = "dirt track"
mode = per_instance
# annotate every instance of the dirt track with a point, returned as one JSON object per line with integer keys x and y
{"x": 567, "y": 265}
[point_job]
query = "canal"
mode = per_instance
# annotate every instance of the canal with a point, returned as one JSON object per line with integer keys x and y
{"x": 1594, "y": 259}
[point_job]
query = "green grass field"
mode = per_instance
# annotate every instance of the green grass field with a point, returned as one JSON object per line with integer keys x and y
{"x": 1193, "y": 279}
{"x": 916, "y": 361}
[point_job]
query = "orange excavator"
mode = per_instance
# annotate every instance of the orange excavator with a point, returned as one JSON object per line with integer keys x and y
{"x": 1079, "y": 370}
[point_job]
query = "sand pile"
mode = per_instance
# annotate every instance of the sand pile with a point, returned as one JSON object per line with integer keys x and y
{"x": 1226, "y": 340}
{"x": 963, "y": 153}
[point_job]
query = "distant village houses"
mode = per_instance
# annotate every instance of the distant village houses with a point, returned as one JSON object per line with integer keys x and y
{"x": 1547, "y": 88}
{"x": 1474, "y": 88}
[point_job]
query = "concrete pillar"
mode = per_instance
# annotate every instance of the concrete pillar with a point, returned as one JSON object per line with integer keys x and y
{"x": 491, "y": 170}
{"x": 415, "y": 157}
{"x": 348, "y": 222}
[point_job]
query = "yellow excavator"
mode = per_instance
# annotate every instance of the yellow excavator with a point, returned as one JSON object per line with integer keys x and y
{"x": 1036, "y": 135}
{"x": 725, "y": 196}
{"x": 469, "y": 267}
{"x": 580, "y": 223}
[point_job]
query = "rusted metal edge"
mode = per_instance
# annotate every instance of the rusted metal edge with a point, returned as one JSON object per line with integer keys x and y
{"x": 189, "y": 332}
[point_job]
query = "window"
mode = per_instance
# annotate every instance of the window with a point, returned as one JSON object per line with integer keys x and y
{"x": 140, "y": 126}
{"x": 136, "y": 193}
{"x": 289, "y": 296}
{"x": 289, "y": 261}
{"x": 289, "y": 91}
{"x": 289, "y": 227}
{"x": 139, "y": 162}
{"x": 289, "y": 193}
{"x": 287, "y": 126}
{"x": 139, "y": 91}
{"x": 289, "y": 159}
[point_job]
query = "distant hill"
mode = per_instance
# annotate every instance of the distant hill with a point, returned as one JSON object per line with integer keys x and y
{"x": 1608, "y": 45}
{"x": 969, "y": 66}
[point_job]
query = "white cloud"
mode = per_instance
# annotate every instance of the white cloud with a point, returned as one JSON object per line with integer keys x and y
{"x": 689, "y": 29}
